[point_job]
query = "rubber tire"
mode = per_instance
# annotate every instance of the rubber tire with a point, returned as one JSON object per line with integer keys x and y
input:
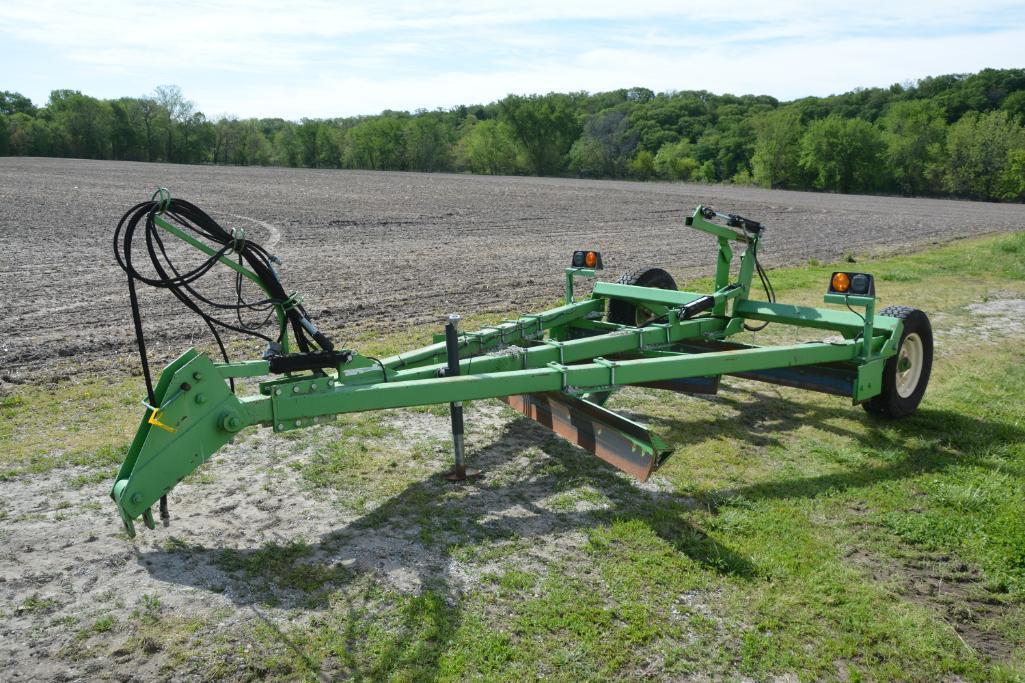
{"x": 889, "y": 403}
{"x": 624, "y": 312}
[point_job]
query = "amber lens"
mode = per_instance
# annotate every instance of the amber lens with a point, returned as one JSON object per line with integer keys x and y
{"x": 841, "y": 282}
{"x": 591, "y": 260}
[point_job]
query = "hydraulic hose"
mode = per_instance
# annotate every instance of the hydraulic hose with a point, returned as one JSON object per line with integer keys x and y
{"x": 191, "y": 219}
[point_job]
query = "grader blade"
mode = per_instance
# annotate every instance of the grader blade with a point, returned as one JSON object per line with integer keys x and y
{"x": 622, "y": 443}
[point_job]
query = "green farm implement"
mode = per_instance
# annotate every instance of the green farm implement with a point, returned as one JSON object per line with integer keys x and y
{"x": 557, "y": 367}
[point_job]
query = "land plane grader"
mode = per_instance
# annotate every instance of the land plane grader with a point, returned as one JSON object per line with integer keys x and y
{"x": 556, "y": 367}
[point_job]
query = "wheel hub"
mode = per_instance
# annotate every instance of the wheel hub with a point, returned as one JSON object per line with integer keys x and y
{"x": 910, "y": 359}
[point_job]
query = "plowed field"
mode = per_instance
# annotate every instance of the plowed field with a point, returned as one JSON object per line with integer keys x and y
{"x": 387, "y": 250}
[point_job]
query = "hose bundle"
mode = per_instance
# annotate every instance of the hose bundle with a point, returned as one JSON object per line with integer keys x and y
{"x": 195, "y": 223}
{"x": 770, "y": 295}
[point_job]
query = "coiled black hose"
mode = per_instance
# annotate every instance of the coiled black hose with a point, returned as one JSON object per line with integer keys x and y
{"x": 191, "y": 219}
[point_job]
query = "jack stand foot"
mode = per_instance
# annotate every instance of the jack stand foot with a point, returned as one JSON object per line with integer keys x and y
{"x": 463, "y": 473}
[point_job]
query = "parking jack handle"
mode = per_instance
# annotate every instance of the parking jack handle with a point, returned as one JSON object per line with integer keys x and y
{"x": 459, "y": 472}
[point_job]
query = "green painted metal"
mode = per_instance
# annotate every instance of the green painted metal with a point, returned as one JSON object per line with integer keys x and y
{"x": 507, "y": 376}
{"x": 848, "y": 323}
{"x": 198, "y": 414}
{"x": 249, "y": 368}
{"x": 564, "y": 351}
{"x": 572, "y": 273}
{"x": 866, "y": 302}
{"x": 279, "y": 310}
{"x": 634, "y": 294}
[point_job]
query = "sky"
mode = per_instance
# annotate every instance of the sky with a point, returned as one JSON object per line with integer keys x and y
{"x": 312, "y": 58}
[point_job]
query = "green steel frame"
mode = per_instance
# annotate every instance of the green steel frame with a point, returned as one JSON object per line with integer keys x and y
{"x": 570, "y": 354}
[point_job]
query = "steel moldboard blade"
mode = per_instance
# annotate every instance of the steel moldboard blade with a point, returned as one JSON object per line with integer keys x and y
{"x": 613, "y": 438}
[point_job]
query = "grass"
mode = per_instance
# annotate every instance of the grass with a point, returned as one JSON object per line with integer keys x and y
{"x": 789, "y": 533}
{"x": 103, "y": 624}
{"x": 288, "y": 567}
{"x": 35, "y": 604}
{"x": 87, "y": 422}
{"x": 148, "y": 610}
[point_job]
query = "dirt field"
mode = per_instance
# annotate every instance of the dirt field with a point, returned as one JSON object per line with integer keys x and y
{"x": 393, "y": 249}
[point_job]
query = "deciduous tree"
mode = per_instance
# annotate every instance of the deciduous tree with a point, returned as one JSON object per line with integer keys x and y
{"x": 777, "y": 153}
{"x": 914, "y": 132}
{"x": 488, "y": 147}
{"x": 843, "y": 155}
{"x": 546, "y": 126}
{"x": 978, "y": 148}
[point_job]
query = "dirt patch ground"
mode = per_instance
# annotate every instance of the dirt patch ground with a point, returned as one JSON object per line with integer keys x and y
{"x": 950, "y": 588}
{"x": 386, "y": 250}
{"x": 65, "y": 565}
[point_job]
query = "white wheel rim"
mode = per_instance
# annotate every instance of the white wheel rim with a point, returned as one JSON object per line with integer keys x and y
{"x": 909, "y": 365}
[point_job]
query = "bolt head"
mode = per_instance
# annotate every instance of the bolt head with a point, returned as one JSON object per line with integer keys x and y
{"x": 200, "y": 399}
{"x": 136, "y": 498}
{"x": 298, "y": 423}
{"x": 277, "y": 392}
{"x": 281, "y": 426}
{"x": 231, "y": 422}
{"x": 295, "y": 390}
{"x": 198, "y": 376}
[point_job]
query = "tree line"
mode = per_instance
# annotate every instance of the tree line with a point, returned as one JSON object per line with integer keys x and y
{"x": 956, "y": 135}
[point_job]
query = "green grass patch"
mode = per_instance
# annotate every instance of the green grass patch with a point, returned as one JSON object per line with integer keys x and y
{"x": 102, "y": 625}
{"x": 276, "y": 568}
{"x": 86, "y": 422}
{"x": 35, "y": 604}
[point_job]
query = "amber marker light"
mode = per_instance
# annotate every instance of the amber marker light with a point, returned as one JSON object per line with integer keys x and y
{"x": 841, "y": 282}
{"x": 591, "y": 259}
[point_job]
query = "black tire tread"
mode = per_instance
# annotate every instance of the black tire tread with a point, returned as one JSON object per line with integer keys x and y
{"x": 901, "y": 312}
{"x": 888, "y": 404}
{"x": 633, "y": 277}
{"x": 623, "y": 312}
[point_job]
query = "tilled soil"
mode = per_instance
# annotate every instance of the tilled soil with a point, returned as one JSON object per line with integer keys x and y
{"x": 387, "y": 250}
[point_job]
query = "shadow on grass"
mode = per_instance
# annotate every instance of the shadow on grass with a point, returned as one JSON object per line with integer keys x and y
{"x": 929, "y": 440}
{"x": 421, "y": 534}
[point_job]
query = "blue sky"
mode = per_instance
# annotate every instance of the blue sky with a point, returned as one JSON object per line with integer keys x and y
{"x": 322, "y": 59}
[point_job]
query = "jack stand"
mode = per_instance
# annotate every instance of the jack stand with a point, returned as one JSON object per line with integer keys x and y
{"x": 460, "y": 471}
{"x": 165, "y": 515}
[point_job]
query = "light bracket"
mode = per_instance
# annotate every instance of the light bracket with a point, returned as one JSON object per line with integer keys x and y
{"x": 587, "y": 258}
{"x": 852, "y": 284}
